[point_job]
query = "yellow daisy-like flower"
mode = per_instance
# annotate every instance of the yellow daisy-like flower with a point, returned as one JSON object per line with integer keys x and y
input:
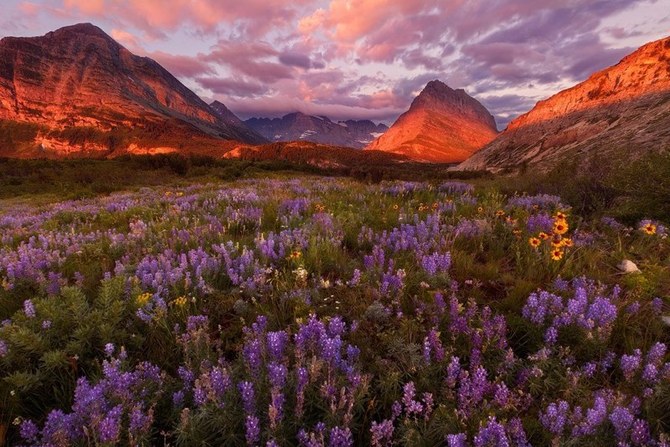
{"x": 319, "y": 208}
{"x": 395, "y": 207}
{"x": 295, "y": 254}
{"x": 480, "y": 210}
{"x": 650, "y": 228}
{"x": 560, "y": 215}
{"x": 500, "y": 213}
{"x": 544, "y": 236}
{"x": 557, "y": 254}
{"x": 534, "y": 242}
{"x": 560, "y": 226}
{"x": 567, "y": 242}
{"x": 435, "y": 205}
{"x": 180, "y": 302}
{"x": 143, "y": 299}
{"x": 557, "y": 241}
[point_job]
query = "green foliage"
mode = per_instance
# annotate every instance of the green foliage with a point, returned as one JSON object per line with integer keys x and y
{"x": 64, "y": 340}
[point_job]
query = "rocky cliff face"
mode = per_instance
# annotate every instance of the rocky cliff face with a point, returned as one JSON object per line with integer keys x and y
{"x": 78, "y": 80}
{"x": 317, "y": 129}
{"x": 618, "y": 113}
{"x": 234, "y": 123}
{"x": 442, "y": 125}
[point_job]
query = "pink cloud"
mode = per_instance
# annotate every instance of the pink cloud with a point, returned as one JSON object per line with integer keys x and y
{"x": 155, "y": 17}
{"x": 183, "y": 66}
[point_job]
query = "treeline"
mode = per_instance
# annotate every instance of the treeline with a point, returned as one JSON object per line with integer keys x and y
{"x": 76, "y": 178}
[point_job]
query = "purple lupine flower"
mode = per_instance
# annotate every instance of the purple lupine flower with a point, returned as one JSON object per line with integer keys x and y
{"x": 630, "y": 364}
{"x": 109, "y": 349}
{"x": 336, "y": 326}
{"x": 340, "y": 437}
{"x": 411, "y": 406}
{"x": 248, "y": 397}
{"x": 540, "y": 222}
{"x": 607, "y": 361}
{"x": 595, "y": 416}
{"x": 46, "y": 324}
{"x": 140, "y": 422}
{"x": 178, "y": 398}
{"x": 633, "y": 308}
{"x": 302, "y": 380}
{"x": 457, "y": 440}
{"x": 110, "y": 426}
{"x": 220, "y": 382}
{"x": 517, "y": 433}
{"x": 253, "y": 355}
{"x": 276, "y": 409}
{"x": 29, "y": 431}
{"x": 276, "y": 343}
{"x": 656, "y": 353}
{"x": 277, "y": 373}
{"x": 555, "y": 417}
{"x": 639, "y": 434}
{"x": 501, "y": 395}
{"x": 551, "y": 336}
{"x": 4, "y": 350}
{"x": 29, "y": 309}
{"x": 453, "y": 372}
{"x": 355, "y": 278}
{"x": 396, "y": 410}
{"x": 492, "y": 434}
{"x": 382, "y": 433}
{"x": 433, "y": 345}
{"x": 589, "y": 369}
{"x": 186, "y": 375}
{"x": 650, "y": 373}
{"x": 252, "y": 430}
{"x": 622, "y": 419}
{"x": 657, "y": 304}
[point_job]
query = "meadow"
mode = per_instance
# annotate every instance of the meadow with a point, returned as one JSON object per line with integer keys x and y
{"x": 326, "y": 311}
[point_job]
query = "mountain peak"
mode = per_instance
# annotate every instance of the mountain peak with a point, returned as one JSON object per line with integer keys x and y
{"x": 87, "y": 29}
{"x": 114, "y": 89}
{"x": 442, "y": 125}
{"x": 622, "y": 107}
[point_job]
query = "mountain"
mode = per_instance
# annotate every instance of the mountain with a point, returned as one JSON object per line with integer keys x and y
{"x": 442, "y": 125}
{"x": 317, "y": 129}
{"x": 616, "y": 114}
{"x": 76, "y": 91}
{"x": 234, "y": 123}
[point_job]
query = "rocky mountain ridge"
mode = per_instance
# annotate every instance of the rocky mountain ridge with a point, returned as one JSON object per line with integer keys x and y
{"x": 442, "y": 125}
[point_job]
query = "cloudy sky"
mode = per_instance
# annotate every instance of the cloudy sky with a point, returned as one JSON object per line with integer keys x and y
{"x": 363, "y": 58}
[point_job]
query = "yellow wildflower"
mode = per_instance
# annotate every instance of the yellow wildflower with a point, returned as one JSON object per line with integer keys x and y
{"x": 143, "y": 299}
{"x": 560, "y": 226}
{"x": 650, "y": 228}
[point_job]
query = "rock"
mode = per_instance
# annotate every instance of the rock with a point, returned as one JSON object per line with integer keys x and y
{"x": 628, "y": 266}
{"x": 442, "y": 125}
{"x": 617, "y": 113}
{"x": 317, "y": 129}
{"x": 78, "y": 78}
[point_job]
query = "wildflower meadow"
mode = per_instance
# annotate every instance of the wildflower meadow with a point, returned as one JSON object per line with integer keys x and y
{"x": 314, "y": 311}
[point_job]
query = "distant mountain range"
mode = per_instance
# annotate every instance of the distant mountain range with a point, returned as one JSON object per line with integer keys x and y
{"x": 442, "y": 125}
{"x": 76, "y": 91}
{"x": 617, "y": 114}
{"x": 317, "y": 129}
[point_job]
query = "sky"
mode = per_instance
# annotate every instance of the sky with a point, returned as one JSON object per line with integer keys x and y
{"x": 362, "y": 59}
